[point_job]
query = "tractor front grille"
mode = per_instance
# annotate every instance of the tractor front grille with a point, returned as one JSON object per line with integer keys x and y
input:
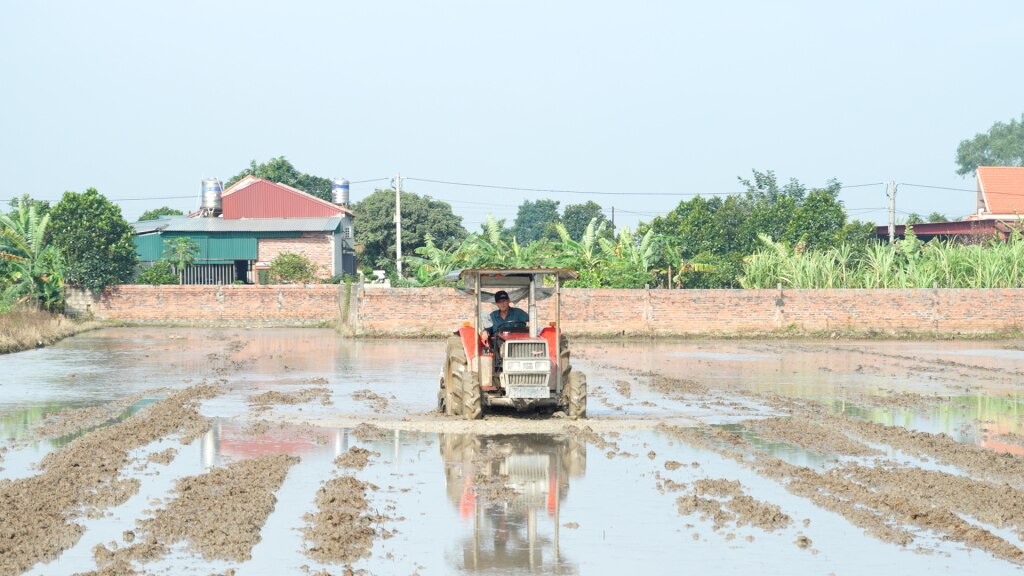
{"x": 534, "y": 379}
{"x": 526, "y": 350}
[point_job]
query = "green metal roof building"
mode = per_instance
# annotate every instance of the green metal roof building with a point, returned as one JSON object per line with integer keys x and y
{"x": 235, "y": 250}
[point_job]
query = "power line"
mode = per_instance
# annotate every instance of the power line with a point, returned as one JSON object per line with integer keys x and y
{"x": 595, "y": 192}
{"x": 123, "y": 199}
{"x": 937, "y": 187}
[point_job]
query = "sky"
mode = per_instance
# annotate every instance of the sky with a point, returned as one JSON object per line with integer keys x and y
{"x": 635, "y": 105}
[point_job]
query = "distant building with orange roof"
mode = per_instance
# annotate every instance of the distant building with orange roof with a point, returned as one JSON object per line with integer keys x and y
{"x": 999, "y": 208}
{"x": 1000, "y": 193}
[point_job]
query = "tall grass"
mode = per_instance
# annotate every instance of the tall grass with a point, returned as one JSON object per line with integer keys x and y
{"x": 24, "y": 327}
{"x": 909, "y": 263}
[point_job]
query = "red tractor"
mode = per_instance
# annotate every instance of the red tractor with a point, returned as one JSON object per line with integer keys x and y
{"x": 525, "y": 367}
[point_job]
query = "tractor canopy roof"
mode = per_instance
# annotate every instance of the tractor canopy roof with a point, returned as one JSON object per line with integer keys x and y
{"x": 516, "y": 281}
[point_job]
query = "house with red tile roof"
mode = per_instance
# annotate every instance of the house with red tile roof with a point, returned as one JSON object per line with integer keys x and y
{"x": 256, "y": 221}
{"x": 253, "y": 197}
{"x": 1000, "y": 193}
{"x": 999, "y": 208}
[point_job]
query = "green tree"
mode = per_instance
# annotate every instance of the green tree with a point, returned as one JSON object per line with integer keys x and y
{"x": 576, "y": 218}
{"x": 42, "y": 206}
{"x": 818, "y": 220}
{"x": 1002, "y": 145}
{"x": 158, "y": 273}
{"x": 857, "y": 234}
{"x": 290, "y": 268}
{"x": 181, "y": 252}
{"x": 158, "y": 212}
{"x": 30, "y": 268}
{"x": 281, "y": 170}
{"x": 937, "y": 217}
{"x": 914, "y": 218}
{"x": 94, "y": 239}
{"x": 535, "y": 220}
{"x": 421, "y": 215}
{"x": 770, "y": 208}
{"x": 720, "y": 232}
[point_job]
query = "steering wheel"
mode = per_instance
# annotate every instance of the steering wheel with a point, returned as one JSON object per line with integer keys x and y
{"x": 510, "y": 326}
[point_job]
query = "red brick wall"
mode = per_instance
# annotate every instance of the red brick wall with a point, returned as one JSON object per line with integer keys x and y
{"x": 736, "y": 312}
{"x": 216, "y": 305}
{"x": 412, "y": 311}
{"x": 313, "y": 245}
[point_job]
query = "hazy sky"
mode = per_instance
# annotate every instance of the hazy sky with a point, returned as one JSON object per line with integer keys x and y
{"x": 144, "y": 99}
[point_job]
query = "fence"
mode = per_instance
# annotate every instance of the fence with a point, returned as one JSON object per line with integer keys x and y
{"x": 436, "y": 311}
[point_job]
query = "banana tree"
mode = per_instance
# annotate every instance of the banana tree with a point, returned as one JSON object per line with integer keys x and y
{"x": 34, "y": 269}
{"x": 434, "y": 263}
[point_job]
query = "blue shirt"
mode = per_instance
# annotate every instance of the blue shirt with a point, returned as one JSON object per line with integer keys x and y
{"x": 514, "y": 315}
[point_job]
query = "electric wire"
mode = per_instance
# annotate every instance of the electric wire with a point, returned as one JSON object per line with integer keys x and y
{"x": 593, "y": 192}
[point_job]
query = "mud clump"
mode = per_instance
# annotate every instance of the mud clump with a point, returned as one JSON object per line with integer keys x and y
{"x": 256, "y": 428}
{"x": 724, "y": 503}
{"x": 341, "y": 530}
{"x": 75, "y": 420}
{"x": 676, "y": 386}
{"x": 38, "y": 512}
{"x": 164, "y": 456}
{"x": 377, "y": 402}
{"x": 368, "y": 432}
{"x": 356, "y": 457}
{"x": 219, "y": 513}
{"x": 623, "y": 387}
{"x": 587, "y": 435}
{"x": 267, "y": 399}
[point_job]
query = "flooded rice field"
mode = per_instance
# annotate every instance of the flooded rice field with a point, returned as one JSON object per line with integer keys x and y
{"x": 296, "y": 451}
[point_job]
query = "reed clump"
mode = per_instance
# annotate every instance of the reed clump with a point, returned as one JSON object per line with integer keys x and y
{"x": 909, "y": 263}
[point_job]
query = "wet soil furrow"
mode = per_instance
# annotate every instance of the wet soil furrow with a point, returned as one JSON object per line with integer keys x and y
{"x": 342, "y": 529}
{"x": 219, "y": 513}
{"x": 880, "y": 514}
{"x": 38, "y": 512}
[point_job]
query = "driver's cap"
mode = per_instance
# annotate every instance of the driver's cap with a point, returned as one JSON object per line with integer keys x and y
{"x": 500, "y": 295}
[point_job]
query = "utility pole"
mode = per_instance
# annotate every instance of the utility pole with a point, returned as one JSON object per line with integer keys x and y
{"x": 398, "y": 223}
{"x": 613, "y": 217}
{"x": 891, "y": 193}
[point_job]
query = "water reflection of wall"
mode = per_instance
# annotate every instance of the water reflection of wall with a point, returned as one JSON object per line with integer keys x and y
{"x": 228, "y": 440}
{"x": 19, "y": 424}
{"x": 510, "y": 489}
{"x": 976, "y": 419}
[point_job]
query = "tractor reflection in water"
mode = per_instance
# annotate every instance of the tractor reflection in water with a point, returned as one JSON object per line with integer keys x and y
{"x": 511, "y": 489}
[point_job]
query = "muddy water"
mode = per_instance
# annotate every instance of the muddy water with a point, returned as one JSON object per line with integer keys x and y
{"x": 511, "y": 494}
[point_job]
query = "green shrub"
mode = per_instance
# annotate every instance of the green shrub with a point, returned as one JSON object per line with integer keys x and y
{"x": 290, "y": 268}
{"x": 159, "y": 273}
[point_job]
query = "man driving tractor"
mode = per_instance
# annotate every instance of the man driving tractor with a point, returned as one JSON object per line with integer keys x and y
{"x": 504, "y": 319}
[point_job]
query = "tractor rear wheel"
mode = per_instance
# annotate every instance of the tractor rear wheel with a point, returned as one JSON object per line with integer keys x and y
{"x": 575, "y": 395}
{"x": 454, "y": 374}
